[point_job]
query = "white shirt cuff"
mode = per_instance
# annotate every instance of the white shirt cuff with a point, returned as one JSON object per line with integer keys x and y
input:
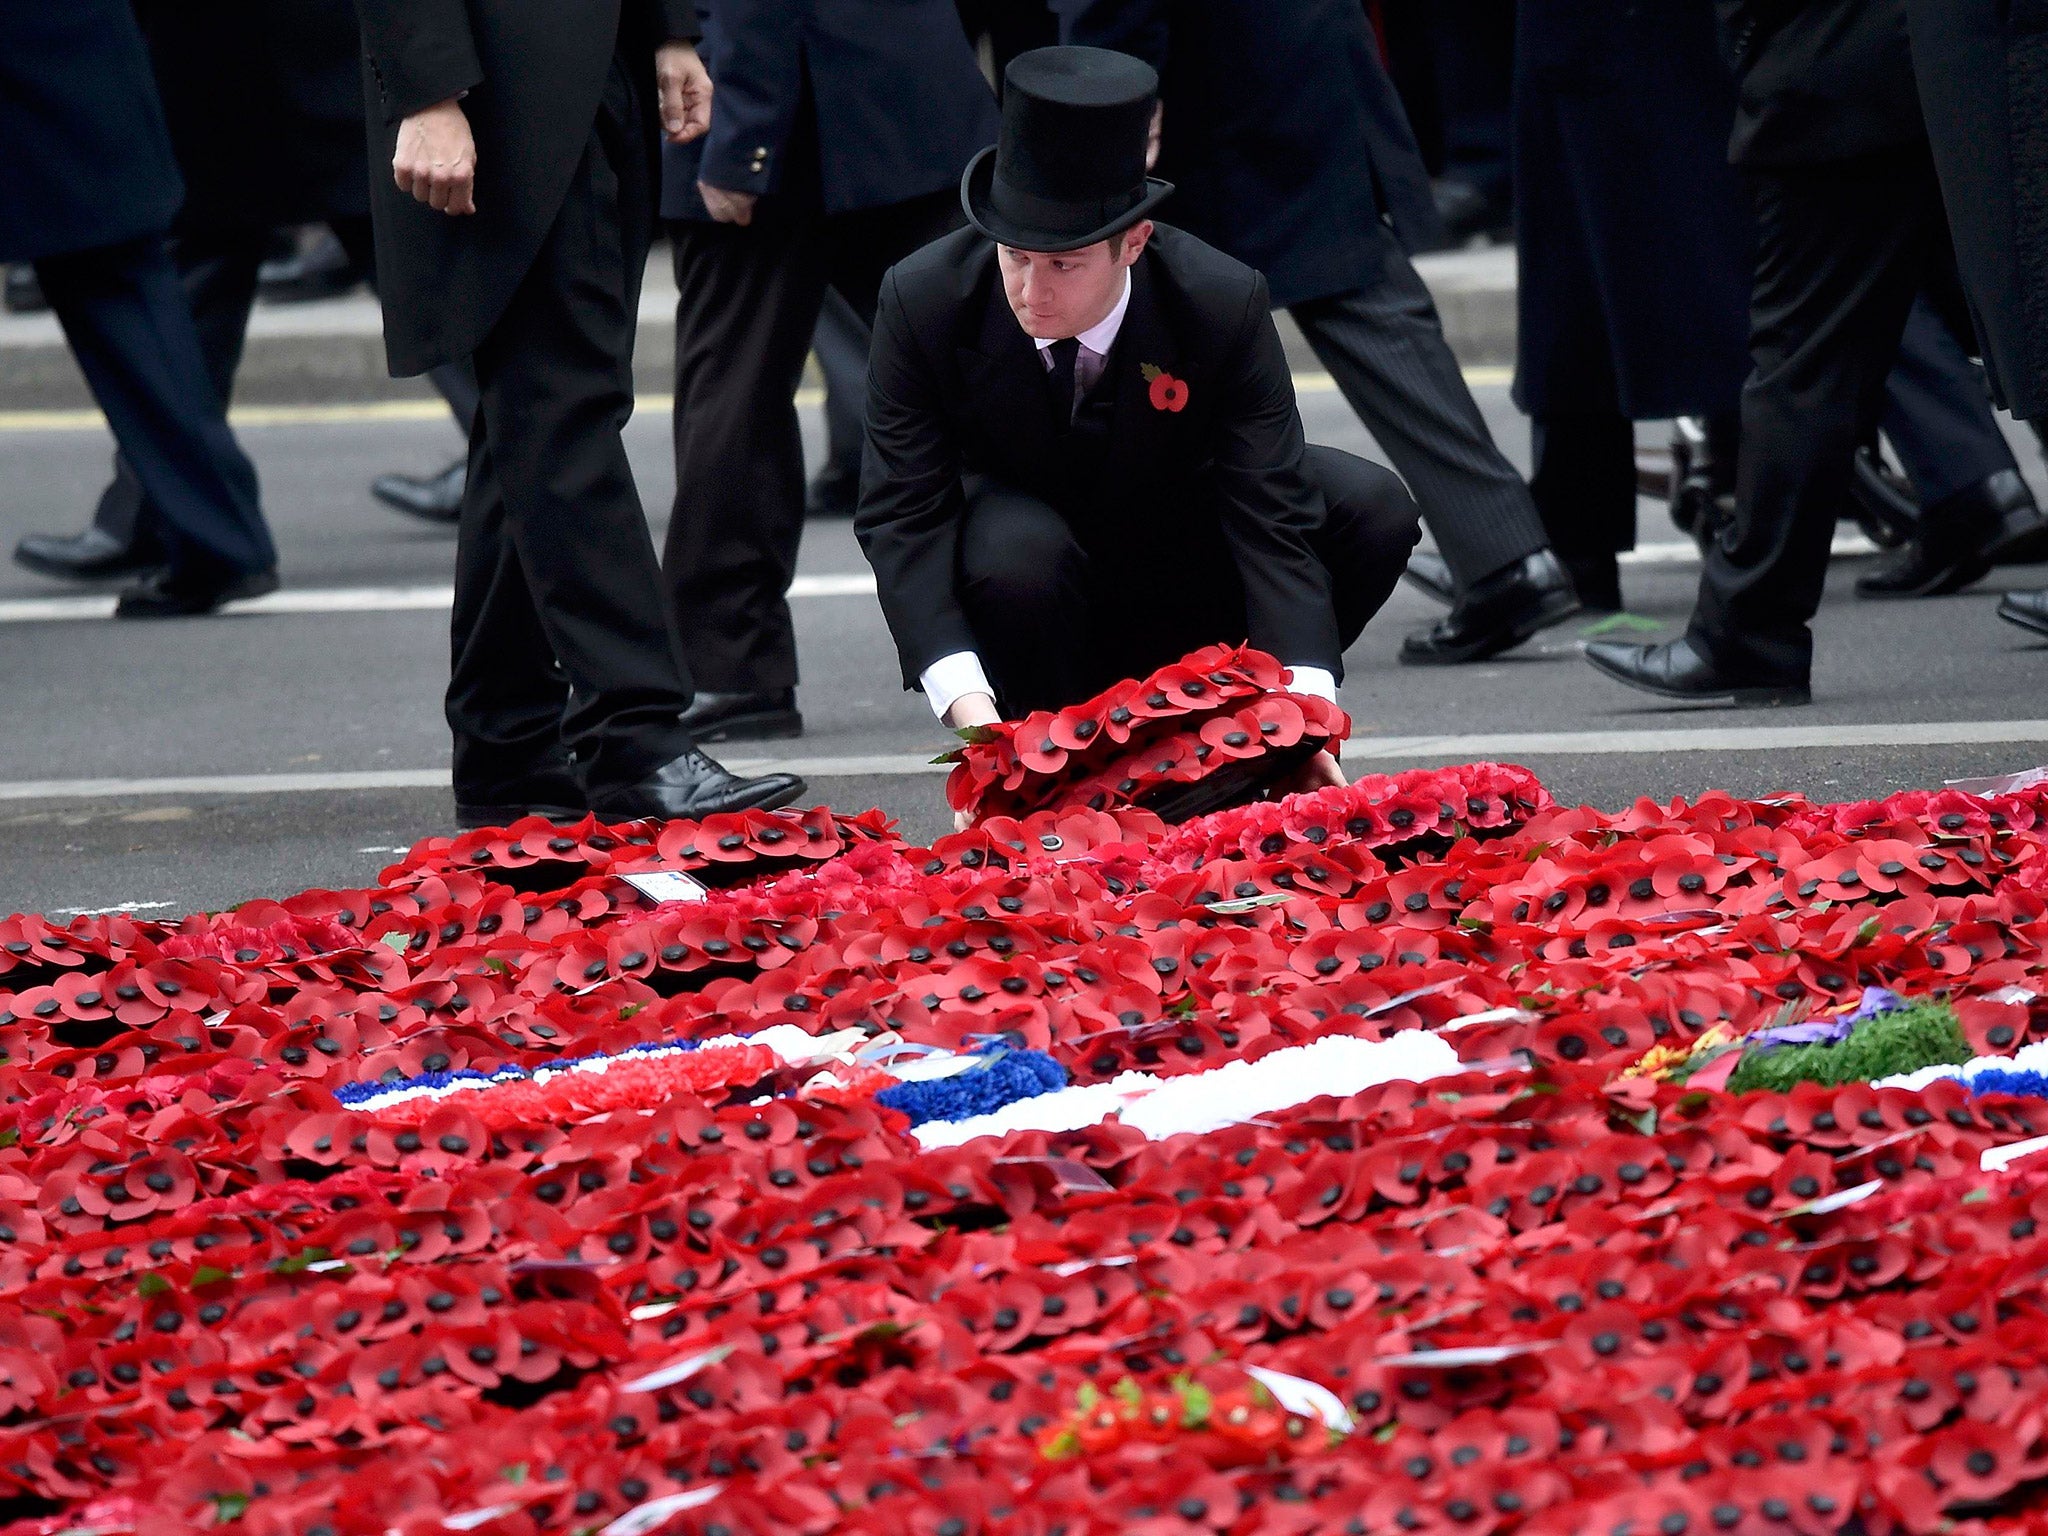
{"x": 1316, "y": 680}
{"x": 954, "y": 677}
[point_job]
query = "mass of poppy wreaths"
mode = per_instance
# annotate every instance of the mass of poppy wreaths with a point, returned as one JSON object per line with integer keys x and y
{"x": 1414, "y": 1156}
{"x": 1220, "y": 717}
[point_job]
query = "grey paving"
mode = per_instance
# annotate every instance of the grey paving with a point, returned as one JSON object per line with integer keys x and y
{"x": 350, "y": 693}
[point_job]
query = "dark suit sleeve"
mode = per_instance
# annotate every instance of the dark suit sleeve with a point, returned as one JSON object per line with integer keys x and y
{"x": 1136, "y": 27}
{"x": 420, "y": 52}
{"x": 911, "y": 504}
{"x": 757, "y": 81}
{"x": 677, "y": 21}
{"x": 1269, "y": 506}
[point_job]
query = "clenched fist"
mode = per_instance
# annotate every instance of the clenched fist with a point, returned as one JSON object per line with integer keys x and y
{"x": 436, "y": 158}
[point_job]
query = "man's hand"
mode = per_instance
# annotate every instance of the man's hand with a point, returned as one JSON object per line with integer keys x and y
{"x": 1152, "y": 134}
{"x": 1320, "y": 772}
{"x": 970, "y": 709}
{"x": 436, "y": 158}
{"x": 685, "y": 88}
{"x": 727, "y": 207}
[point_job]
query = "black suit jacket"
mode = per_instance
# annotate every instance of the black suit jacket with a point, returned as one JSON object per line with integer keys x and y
{"x": 84, "y": 158}
{"x": 955, "y": 387}
{"x": 1284, "y": 138}
{"x": 1819, "y": 80}
{"x": 265, "y": 103}
{"x": 845, "y": 103}
{"x": 535, "y": 73}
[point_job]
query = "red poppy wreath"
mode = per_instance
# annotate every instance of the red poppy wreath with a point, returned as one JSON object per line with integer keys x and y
{"x": 1214, "y": 729}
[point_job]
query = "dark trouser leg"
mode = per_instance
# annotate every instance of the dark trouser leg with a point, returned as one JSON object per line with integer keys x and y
{"x": 507, "y": 694}
{"x": 218, "y": 274}
{"x": 1585, "y": 489}
{"x": 1365, "y": 542}
{"x": 1938, "y": 415}
{"x": 1385, "y": 348}
{"x": 130, "y": 327}
{"x": 1024, "y": 584}
{"x": 841, "y": 344}
{"x": 557, "y": 386}
{"x": 1842, "y": 251}
{"x": 1585, "y": 482}
{"x": 749, "y": 300}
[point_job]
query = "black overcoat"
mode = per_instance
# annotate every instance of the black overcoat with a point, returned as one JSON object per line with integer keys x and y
{"x": 1983, "y": 73}
{"x": 534, "y": 71}
{"x": 1634, "y": 236}
{"x": 880, "y": 101}
{"x": 85, "y": 160}
{"x": 1819, "y": 80}
{"x": 265, "y": 104}
{"x": 955, "y": 387}
{"x": 1284, "y": 138}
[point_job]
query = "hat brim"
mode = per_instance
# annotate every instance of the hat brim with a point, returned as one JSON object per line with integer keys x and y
{"x": 979, "y": 177}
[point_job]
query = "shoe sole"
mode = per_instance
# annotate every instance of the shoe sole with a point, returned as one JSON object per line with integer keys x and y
{"x": 785, "y": 726}
{"x": 2026, "y": 621}
{"x": 472, "y": 817}
{"x": 1767, "y": 698}
{"x": 1554, "y": 610}
{"x": 1952, "y": 580}
{"x": 57, "y": 572}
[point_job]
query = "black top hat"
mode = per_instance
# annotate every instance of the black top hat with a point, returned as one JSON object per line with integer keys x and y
{"x": 1069, "y": 168}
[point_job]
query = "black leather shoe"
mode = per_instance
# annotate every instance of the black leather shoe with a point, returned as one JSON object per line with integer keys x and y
{"x": 2029, "y": 610}
{"x": 436, "y": 498}
{"x": 1431, "y": 576}
{"x": 548, "y": 788}
{"x": 1675, "y": 670}
{"x": 320, "y": 269}
{"x": 832, "y": 494}
{"x": 1496, "y": 614}
{"x": 1470, "y": 214}
{"x": 93, "y": 555}
{"x": 24, "y": 293}
{"x": 692, "y": 787}
{"x": 170, "y": 594}
{"x": 1992, "y": 523}
{"x": 743, "y": 716}
{"x": 2022, "y": 537}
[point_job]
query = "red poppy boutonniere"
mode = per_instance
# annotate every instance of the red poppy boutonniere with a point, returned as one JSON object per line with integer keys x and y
{"x": 1168, "y": 393}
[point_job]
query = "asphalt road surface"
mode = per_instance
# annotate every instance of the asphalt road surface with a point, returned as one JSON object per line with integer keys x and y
{"x": 173, "y": 766}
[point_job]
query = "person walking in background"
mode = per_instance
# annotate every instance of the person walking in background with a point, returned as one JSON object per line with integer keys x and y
{"x": 513, "y": 228}
{"x": 1850, "y": 229}
{"x": 839, "y": 129}
{"x": 264, "y": 104}
{"x": 1982, "y": 71}
{"x": 1291, "y": 153}
{"x": 88, "y": 187}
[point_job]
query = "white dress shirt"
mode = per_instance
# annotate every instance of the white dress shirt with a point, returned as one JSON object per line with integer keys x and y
{"x": 953, "y": 677}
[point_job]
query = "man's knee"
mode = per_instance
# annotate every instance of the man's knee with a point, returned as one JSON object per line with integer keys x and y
{"x": 1016, "y": 551}
{"x": 1371, "y": 514}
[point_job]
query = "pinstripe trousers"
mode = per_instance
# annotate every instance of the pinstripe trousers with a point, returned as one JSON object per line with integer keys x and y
{"x": 1384, "y": 346}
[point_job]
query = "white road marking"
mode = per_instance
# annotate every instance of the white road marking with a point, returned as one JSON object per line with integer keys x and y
{"x": 359, "y": 413}
{"x": 304, "y": 601}
{"x": 318, "y": 600}
{"x": 1506, "y": 746}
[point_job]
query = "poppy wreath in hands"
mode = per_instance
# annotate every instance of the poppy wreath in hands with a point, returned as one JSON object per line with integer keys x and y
{"x": 1212, "y": 729}
{"x": 474, "y": 1202}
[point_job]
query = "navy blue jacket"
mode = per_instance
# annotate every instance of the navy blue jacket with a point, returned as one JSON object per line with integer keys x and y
{"x": 1284, "y": 139}
{"x": 1635, "y": 235}
{"x": 847, "y": 103}
{"x": 86, "y": 159}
